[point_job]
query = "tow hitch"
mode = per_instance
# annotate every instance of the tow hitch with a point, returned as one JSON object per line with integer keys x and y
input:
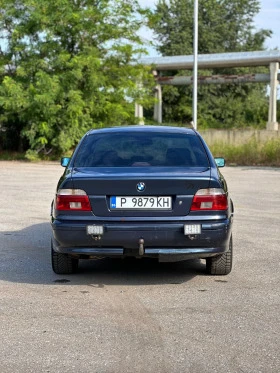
{"x": 141, "y": 246}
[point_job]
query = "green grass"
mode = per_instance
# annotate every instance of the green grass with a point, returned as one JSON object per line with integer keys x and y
{"x": 251, "y": 154}
{"x": 17, "y": 156}
{"x": 12, "y": 156}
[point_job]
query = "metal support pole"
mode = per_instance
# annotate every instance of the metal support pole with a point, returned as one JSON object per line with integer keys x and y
{"x": 139, "y": 113}
{"x": 195, "y": 58}
{"x": 158, "y": 104}
{"x": 139, "y": 108}
{"x": 272, "y": 116}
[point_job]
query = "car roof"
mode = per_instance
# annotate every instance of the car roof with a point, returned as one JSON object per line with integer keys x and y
{"x": 143, "y": 128}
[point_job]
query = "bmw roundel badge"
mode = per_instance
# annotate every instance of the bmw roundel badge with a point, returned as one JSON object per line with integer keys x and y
{"x": 140, "y": 187}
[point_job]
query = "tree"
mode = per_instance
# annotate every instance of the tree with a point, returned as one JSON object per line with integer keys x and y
{"x": 70, "y": 65}
{"x": 224, "y": 26}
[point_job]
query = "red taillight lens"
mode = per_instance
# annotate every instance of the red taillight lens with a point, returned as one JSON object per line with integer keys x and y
{"x": 209, "y": 200}
{"x": 72, "y": 199}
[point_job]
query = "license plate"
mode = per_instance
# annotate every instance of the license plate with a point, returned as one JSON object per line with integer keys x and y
{"x": 141, "y": 203}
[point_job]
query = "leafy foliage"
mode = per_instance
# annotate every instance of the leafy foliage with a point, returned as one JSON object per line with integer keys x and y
{"x": 70, "y": 65}
{"x": 224, "y": 26}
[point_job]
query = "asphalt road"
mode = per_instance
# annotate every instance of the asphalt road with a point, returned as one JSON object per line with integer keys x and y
{"x": 137, "y": 316}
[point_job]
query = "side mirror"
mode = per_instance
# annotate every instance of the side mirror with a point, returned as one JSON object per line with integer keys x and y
{"x": 64, "y": 161}
{"x": 220, "y": 162}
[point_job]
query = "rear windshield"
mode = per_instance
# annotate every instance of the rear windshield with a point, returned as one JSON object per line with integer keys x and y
{"x": 141, "y": 149}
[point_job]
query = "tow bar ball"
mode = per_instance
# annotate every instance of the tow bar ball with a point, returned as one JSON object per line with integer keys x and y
{"x": 141, "y": 247}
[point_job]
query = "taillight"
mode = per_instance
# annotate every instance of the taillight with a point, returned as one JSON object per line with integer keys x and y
{"x": 209, "y": 199}
{"x": 72, "y": 199}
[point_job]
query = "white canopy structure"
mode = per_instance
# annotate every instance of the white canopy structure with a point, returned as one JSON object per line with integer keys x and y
{"x": 221, "y": 60}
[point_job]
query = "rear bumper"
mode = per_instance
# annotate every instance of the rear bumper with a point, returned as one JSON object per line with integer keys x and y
{"x": 165, "y": 241}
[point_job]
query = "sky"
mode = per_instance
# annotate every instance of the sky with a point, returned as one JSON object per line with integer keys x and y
{"x": 268, "y": 18}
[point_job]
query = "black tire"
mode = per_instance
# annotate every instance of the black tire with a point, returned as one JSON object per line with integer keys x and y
{"x": 222, "y": 264}
{"x": 64, "y": 264}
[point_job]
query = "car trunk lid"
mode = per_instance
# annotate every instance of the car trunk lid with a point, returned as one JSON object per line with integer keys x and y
{"x": 102, "y": 184}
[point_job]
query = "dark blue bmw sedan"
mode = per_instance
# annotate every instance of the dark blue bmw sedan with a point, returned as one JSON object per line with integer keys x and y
{"x": 142, "y": 191}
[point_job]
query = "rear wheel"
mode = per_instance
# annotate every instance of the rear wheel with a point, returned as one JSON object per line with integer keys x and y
{"x": 222, "y": 264}
{"x": 64, "y": 264}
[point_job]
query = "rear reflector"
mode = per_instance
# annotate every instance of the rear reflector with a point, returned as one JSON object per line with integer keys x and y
{"x": 212, "y": 199}
{"x": 72, "y": 199}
